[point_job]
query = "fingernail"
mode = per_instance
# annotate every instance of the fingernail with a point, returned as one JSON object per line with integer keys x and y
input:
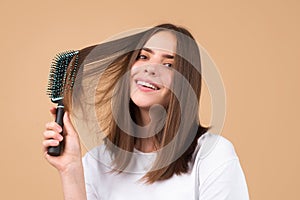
{"x": 59, "y": 129}
{"x": 60, "y": 137}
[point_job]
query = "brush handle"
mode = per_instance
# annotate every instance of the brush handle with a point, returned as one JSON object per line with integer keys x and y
{"x": 57, "y": 150}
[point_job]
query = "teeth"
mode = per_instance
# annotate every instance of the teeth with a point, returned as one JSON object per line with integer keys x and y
{"x": 149, "y": 85}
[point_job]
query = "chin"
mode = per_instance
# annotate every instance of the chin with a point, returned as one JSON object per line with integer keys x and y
{"x": 143, "y": 103}
{"x": 146, "y": 103}
{"x": 147, "y": 99}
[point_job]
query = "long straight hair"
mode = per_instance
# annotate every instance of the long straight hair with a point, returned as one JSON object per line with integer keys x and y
{"x": 114, "y": 106}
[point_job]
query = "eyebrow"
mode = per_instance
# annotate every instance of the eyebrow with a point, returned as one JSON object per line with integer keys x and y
{"x": 152, "y": 52}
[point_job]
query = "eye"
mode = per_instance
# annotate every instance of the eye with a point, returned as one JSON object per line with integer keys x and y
{"x": 141, "y": 57}
{"x": 168, "y": 64}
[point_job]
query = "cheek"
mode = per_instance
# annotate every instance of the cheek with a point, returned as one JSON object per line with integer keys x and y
{"x": 132, "y": 86}
{"x": 135, "y": 69}
{"x": 167, "y": 79}
{"x": 133, "y": 72}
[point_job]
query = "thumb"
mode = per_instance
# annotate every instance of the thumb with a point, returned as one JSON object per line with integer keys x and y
{"x": 53, "y": 112}
{"x": 68, "y": 126}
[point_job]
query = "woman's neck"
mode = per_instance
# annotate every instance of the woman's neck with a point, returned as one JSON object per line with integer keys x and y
{"x": 142, "y": 117}
{"x": 148, "y": 144}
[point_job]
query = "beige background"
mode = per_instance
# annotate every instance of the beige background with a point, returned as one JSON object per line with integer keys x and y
{"x": 255, "y": 44}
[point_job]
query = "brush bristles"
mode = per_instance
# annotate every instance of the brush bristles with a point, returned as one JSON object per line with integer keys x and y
{"x": 58, "y": 81}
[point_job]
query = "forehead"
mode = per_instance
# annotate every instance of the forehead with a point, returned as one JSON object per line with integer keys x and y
{"x": 163, "y": 40}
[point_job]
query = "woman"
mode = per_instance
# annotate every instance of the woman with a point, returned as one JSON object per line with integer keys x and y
{"x": 147, "y": 105}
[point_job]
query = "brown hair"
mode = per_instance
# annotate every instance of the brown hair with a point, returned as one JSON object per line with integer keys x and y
{"x": 182, "y": 124}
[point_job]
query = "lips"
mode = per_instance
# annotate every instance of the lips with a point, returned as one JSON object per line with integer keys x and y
{"x": 147, "y": 84}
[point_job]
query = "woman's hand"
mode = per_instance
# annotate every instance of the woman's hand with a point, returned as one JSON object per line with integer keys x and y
{"x": 69, "y": 163}
{"x": 71, "y": 156}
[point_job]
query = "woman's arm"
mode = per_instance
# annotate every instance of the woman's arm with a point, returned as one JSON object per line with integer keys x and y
{"x": 73, "y": 183}
{"x": 69, "y": 164}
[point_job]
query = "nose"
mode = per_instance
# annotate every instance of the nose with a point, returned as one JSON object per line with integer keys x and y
{"x": 150, "y": 69}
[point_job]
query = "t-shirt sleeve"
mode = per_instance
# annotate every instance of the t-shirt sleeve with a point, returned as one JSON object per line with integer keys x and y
{"x": 220, "y": 175}
{"x": 227, "y": 182}
{"x": 88, "y": 164}
{"x": 90, "y": 192}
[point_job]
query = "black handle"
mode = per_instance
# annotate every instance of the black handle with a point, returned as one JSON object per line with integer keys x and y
{"x": 57, "y": 150}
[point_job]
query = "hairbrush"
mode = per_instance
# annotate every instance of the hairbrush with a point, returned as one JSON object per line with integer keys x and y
{"x": 61, "y": 80}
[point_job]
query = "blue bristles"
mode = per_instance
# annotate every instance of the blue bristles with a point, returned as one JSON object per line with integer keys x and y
{"x": 59, "y": 71}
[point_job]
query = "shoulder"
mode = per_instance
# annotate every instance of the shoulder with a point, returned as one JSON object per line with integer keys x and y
{"x": 213, "y": 152}
{"x": 218, "y": 169}
{"x": 96, "y": 168}
{"x": 97, "y": 157}
{"x": 216, "y": 146}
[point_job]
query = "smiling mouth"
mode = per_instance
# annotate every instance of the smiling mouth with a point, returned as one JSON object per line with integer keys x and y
{"x": 147, "y": 85}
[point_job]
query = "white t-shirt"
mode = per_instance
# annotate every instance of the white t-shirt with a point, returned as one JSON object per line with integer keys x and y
{"x": 215, "y": 174}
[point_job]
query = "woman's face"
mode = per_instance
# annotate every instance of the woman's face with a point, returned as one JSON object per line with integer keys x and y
{"x": 152, "y": 74}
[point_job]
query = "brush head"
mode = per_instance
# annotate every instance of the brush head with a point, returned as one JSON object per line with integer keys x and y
{"x": 62, "y": 74}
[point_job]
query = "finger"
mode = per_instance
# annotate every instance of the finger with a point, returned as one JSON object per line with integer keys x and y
{"x": 50, "y": 143}
{"x": 53, "y": 112}
{"x": 68, "y": 124}
{"x": 53, "y": 126}
{"x": 49, "y": 134}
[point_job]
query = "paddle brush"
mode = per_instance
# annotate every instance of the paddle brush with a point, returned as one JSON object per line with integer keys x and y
{"x": 61, "y": 80}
